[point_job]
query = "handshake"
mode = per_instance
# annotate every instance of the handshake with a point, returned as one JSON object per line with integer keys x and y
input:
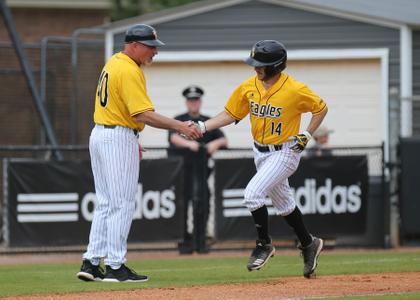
{"x": 192, "y": 130}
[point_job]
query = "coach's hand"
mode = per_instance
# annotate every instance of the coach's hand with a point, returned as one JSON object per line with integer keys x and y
{"x": 300, "y": 141}
{"x": 189, "y": 131}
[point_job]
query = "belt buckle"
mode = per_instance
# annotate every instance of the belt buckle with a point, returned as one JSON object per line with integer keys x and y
{"x": 271, "y": 148}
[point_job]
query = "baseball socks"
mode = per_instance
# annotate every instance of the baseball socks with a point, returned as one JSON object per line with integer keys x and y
{"x": 261, "y": 223}
{"x": 310, "y": 246}
{"x": 296, "y": 222}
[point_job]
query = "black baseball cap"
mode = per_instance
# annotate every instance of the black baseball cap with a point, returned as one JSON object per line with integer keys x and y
{"x": 144, "y": 34}
{"x": 193, "y": 92}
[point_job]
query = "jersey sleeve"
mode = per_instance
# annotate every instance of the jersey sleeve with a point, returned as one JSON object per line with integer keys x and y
{"x": 237, "y": 106}
{"x": 308, "y": 101}
{"x": 133, "y": 92}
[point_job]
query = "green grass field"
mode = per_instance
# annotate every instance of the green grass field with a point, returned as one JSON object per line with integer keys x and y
{"x": 60, "y": 278}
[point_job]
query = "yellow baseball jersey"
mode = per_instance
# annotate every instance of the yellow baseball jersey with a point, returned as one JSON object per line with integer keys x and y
{"x": 121, "y": 93}
{"x": 275, "y": 113}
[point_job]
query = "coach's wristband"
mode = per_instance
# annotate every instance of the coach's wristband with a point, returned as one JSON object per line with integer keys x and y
{"x": 202, "y": 127}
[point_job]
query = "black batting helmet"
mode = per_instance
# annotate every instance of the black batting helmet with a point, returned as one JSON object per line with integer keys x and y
{"x": 144, "y": 34}
{"x": 267, "y": 53}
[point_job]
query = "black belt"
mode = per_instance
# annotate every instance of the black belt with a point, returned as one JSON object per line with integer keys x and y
{"x": 268, "y": 148}
{"x": 135, "y": 131}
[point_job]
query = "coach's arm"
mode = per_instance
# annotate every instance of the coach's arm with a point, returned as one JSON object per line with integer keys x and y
{"x": 156, "y": 120}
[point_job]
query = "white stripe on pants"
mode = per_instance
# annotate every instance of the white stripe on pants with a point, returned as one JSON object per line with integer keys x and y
{"x": 115, "y": 164}
{"x": 271, "y": 179}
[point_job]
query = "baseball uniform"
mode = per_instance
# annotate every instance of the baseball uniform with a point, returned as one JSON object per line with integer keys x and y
{"x": 121, "y": 97}
{"x": 275, "y": 116}
{"x": 114, "y": 148}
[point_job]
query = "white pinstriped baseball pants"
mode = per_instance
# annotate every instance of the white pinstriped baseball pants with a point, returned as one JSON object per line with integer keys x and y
{"x": 271, "y": 179}
{"x": 115, "y": 164}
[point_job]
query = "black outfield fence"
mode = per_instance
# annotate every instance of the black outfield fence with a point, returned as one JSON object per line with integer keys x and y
{"x": 342, "y": 196}
{"x": 410, "y": 188}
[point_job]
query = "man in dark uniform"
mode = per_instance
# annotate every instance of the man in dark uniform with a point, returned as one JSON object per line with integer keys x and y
{"x": 210, "y": 143}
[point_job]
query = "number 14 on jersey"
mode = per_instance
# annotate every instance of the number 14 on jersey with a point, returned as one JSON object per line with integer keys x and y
{"x": 276, "y": 128}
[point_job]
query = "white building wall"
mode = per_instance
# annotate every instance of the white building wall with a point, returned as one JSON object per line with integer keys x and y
{"x": 352, "y": 88}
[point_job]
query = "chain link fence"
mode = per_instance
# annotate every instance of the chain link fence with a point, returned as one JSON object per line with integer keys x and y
{"x": 66, "y": 71}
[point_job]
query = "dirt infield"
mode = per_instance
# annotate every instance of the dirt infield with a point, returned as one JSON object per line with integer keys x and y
{"x": 284, "y": 288}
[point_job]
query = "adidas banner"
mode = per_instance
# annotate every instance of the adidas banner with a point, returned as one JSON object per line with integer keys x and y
{"x": 52, "y": 203}
{"x": 330, "y": 191}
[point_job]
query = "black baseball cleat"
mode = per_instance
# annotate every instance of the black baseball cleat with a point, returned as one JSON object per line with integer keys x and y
{"x": 90, "y": 272}
{"x": 260, "y": 255}
{"x": 123, "y": 274}
{"x": 310, "y": 255}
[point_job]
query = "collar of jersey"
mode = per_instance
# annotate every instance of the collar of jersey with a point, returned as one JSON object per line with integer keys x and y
{"x": 275, "y": 87}
{"x": 127, "y": 58}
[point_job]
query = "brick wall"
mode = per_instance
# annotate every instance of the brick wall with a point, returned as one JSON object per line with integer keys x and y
{"x": 33, "y": 24}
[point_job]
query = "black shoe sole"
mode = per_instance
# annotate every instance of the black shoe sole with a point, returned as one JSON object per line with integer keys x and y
{"x": 262, "y": 265}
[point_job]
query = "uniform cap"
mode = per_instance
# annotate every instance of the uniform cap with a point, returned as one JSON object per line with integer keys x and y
{"x": 322, "y": 131}
{"x": 144, "y": 34}
{"x": 267, "y": 53}
{"x": 193, "y": 92}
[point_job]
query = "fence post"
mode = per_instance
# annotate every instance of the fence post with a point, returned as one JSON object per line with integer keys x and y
{"x": 385, "y": 189}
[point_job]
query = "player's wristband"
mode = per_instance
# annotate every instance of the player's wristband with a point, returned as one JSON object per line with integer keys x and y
{"x": 307, "y": 134}
{"x": 202, "y": 126}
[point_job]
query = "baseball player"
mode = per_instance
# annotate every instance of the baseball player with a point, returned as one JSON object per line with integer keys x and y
{"x": 122, "y": 109}
{"x": 275, "y": 102}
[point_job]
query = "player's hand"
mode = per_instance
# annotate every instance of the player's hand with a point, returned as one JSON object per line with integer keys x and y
{"x": 202, "y": 126}
{"x": 300, "y": 141}
{"x": 189, "y": 131}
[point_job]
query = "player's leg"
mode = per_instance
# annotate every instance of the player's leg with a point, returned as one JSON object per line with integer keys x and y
{"x": 264, "y": 248}
{"x": 272, "y": 168}
{"x": 283, "y": 201}
{"x": 96, "y": 249}
{"x": 123, "y": 168}
{"x": 122, "y": 153}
